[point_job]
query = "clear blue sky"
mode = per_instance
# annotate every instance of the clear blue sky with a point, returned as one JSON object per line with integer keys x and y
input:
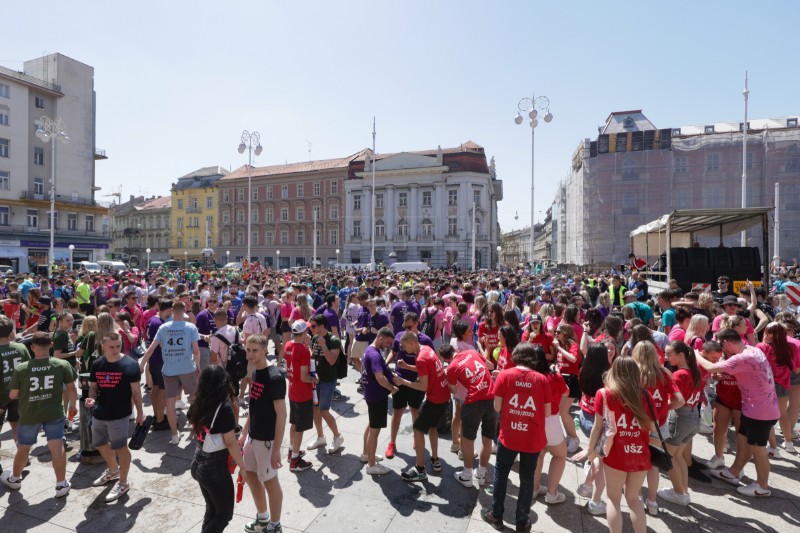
{"x": 178, "y": 81}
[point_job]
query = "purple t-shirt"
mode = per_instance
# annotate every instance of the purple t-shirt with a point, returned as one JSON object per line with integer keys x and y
{"x": 205, "y": 326}
{"x": 372, "y": 362}
{"x": 754, "y": 376}
{"x": 415, "y": 306}
{"x": 409, "y": 358}
{"x": 364, "y": 321}
{"x": 152, "y": 329}
{"x": 397, "y": 314}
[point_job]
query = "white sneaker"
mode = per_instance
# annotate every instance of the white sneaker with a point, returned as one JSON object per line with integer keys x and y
{"x": 788, "y": 447}
{"x": 6, "y": 476}
{"x": 540, "y": 492}
{"x": 725, "y": 475}
{"x": 176, "y": 438}
{"x": 319, "y": 442}
{"x": 337, "y": 444}
{"x": 455, "y": 448}
{"x": 584, "y": 490}
{"x": 480, "y": 478}
{"x": 705, "y": 429}
{"x": 365, "y": 458}
{"x": 596, "y": 508}
{"x": 63, "y": 489}
{"x": 673, "y": 497}
{"x": 466, "y": 482}
{"x": 378, "y": 470}
{"x": 717, "y": 461}
{"x": 117, "y": 492}
{"x": 181, "y": 405}
{"x": 650, "y": 507}
{"x": 773, "y": 453}
{"x": 552, "y": 499}
{"x": 754, "y": 489}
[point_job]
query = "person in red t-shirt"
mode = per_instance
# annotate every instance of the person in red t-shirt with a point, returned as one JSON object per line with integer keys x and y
{"x": 432, "y": 380}
{"x": 301, "y": 393}
{"x": 524, "y": 397}
{"x": 569, "y": 359}
{"x": 628, "y": 460}
{"x": 488, "y": 332}
{"x": 468, "y": 369}
{"x": 535, "y": 334}
{"x": 508, "y": 341}
{"x": 657, "y": 380}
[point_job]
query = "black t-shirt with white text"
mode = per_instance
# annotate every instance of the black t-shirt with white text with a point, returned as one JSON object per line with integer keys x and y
{"x": 267, "y": 386}
{"x": 114, "y": 392}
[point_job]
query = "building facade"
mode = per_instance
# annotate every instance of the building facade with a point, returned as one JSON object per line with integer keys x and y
{"x": 59, "y": 88}
{"x": 193, "y": 214}
{"x": 138, "y": 225}
{"x": 634, "y": 172}
{"x": 424, "y": 204}
{"x": 290, "y": 205}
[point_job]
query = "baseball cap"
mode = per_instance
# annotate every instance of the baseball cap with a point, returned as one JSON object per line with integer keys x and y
{"x": 299, "y": 327}
{"x": 536, "y": 318}
{"x": 45, "y": 300}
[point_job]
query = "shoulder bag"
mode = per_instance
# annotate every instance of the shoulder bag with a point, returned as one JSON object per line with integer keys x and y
{"x": 659, "y": 457}
{"x": 213, "y": 442}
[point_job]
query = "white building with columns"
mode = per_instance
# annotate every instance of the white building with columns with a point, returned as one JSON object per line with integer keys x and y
{"x": 423, "y": 208}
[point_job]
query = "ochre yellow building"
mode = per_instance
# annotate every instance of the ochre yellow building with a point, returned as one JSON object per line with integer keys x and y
{"x": 193, "y": 213}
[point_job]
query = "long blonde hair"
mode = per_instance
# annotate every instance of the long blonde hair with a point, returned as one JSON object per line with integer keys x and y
{"x": 89, "y": 324}
{"x": 305, "y": 309}
{"x": 646, "y": 357}
{"x": 623, "y": 380}
{"x": 569, "y": 334}
{"x": 546, "y": 311}
{"x": 105, "y": 325}
{"x": 698, "y": 327}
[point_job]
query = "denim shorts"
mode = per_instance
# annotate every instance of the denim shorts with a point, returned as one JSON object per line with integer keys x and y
{"x": 587, "y": 421}
{"x": 325, "y": 391}
{"x": 27, "y": 433}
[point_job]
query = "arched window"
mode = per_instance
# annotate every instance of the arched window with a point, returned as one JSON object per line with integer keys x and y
{"x": 427, "y": 227}
{"x": 402, "y": 227}
{"x": 380, "y": 229}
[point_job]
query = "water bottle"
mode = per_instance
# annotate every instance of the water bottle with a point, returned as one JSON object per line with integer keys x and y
{"x": 239, "y": 488}
{"x": 312, "y": 371}
{"x": 577, "y": 422}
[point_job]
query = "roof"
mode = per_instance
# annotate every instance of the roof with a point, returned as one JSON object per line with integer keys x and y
{"x": 625, "y": 121}
{"x": 294, "y": 168}
{"x": 200, "y": 179}
{"x": 162, "y": 202}
{"x": 30, "y": 81}
{"x": 733, "y": 127}
{"x": 206, "y": 172}
{"x": 468, "y": 146}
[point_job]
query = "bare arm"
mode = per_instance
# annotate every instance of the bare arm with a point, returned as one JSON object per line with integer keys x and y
{"x": 676, "y": 401}
{"x": 421, "y": 384}
{"x": 280, "y": 427}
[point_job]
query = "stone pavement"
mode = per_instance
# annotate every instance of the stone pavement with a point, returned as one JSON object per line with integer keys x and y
{"x": 337, "y": 495}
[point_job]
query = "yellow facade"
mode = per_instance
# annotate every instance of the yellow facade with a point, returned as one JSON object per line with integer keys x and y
{"x": 193, "y": 214}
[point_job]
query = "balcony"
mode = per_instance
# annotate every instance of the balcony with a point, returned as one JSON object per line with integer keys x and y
{"x": 131, "y": 231}
{"x": 32, "y": 194}
{"x": 99, "y": 154}
{"x": 193, "y": 210}
{"x": 425, "y": 238}
{"x": 6, "y": 229}
{"x": 401, "y": 238}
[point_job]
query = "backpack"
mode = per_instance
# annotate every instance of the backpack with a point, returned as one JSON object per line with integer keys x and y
{"x": 237, "y": 357}
{"x": 429, "y": 324}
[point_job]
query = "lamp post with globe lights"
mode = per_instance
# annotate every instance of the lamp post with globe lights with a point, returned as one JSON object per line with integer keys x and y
{"x": 277, "y": 259}
{"x": 148, "y": 258}
{"x": 49, "y": 130}
{"x": 227, "y": 257}
{"x": 71, "y": 249}
{"x": 186, "y": 260}
{"x": 499, "y": 260}
{"x": 532, "y": 106}
{"x": 251, "y": 141}
{"x": 337, "y": 256}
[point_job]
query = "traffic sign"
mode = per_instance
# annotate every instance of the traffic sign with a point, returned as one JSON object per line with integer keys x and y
{"x": 792, "y": 290}
{"x": 739, "y": 284}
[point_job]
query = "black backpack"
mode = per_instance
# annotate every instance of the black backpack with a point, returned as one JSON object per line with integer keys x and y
{"x": 429, "y": 324}
{"x": 237, "y": 357}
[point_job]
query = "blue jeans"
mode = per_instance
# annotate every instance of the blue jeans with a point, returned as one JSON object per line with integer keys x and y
{"x": 527, "y": 466}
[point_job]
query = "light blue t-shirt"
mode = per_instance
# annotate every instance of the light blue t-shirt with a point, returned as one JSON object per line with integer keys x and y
{"x": 176, "y": 339}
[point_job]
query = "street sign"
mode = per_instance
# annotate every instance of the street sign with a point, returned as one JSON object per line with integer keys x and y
{"x": 739, "y": 284}
{"x": 792, "y": 290}
{"x": 701, "y": 287}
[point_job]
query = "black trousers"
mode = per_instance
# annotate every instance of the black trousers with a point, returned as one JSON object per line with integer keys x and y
{"x": 210, "y": 470}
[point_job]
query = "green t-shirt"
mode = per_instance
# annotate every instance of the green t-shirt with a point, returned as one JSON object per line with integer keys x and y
{"x": 40, "y": 383}
{"x": 11, "y": 355}
{"x": 61, "y": 342}
{"x": 87, "y": 343}
{"x": 82, "y": 293}
{"x": 326, "y": 371}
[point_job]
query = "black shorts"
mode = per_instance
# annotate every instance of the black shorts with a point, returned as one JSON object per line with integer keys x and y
{"x": 480, "y": 413}
{"x": 301, "y": 414}
{"x": 155, "y": 373}
{"x": 10, "y": 411}
{"x": 407, "y": 397}
{"x": 756, "y": 431}
{"x": 378, "y": 413}
{"x": 285, "y": 327}
{"x": 429, "y": 415}
{"x": 574, "y": 385}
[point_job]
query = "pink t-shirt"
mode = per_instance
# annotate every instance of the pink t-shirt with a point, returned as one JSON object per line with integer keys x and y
{"x": 677, "y": 333}
{"x": 718, "y": 320}
{"x": 754, "y": 376}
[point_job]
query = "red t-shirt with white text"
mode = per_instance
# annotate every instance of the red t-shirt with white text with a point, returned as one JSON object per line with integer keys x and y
{"x": 683, "y": 380}
{"x": 525, "y": 393}
{"x": 428, "y": 364}
{"x": 469, "y": 369}
{"x": 661, "y": 394}
{"x": 629, "y": 451}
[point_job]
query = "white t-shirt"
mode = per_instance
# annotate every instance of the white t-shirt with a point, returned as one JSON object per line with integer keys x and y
{"x": 216, "y": 344}
{"x": 253, "y": 324}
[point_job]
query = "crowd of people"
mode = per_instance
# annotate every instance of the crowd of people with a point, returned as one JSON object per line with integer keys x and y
{"x": 526, "y": 360}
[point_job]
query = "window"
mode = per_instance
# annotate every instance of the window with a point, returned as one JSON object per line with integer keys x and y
{"x": 226, "y": 238}
{"x": 379, "y": 201}
{"x": 180, "y": 204}
{"x": 629, "y": 204}
{"x": 334, "y": 187}
{"x": 226, "y": 217}
{"x": 254, "y": 237}
{"x": 300, "y": 237}
{"x": 5, "y": 179}
{"x": 629, "y": 171}
{"x": 4, "y": 212}
{"x": 284, "y": 214}
{"x": 712, "y": 197}
{"x": 72, "y": 221}
{"x": 284, "y": 237}
{"x": 33, "y": 218}
{"x": 356, "y": 202}
{"x": 427, "y": 198}
{"x": 240, "y": 195}
{"x": 380, "y": 229}
{"x": 5, "y": 90}
{"x": 402, "y": 199}
{"x": 38, "y": 102}
{"x": 53, "y": 220}
{"x": 89, "y": 222}
{"x": 476, "y": 198}
{"x": 226, "y": 196}
{"x": 334, "y": 212}
{"x": 38, "y": 186}
{"x": 3, "y": 117}
{"x": 712, "y": 162}
{"x": 622, "y": 142}
{"x": 209, "y": 222}
{"x": 209, "y": 202}
{"x": 240, "y": 238}
{"x": 301, "y": 190}
{"x": 254, "y": 194}
{"x": 38, "y": 156}
{"x": 269, "y": 192}
{"x": 268, "y": 215}
{"x": 180, "y": 242}
{"x": 193, "y": 201}
{"x": 254, "y": 215}
{"x": 300, "y": 213}
{"x": 680, "y": 199}
{"x": 268, "y": 238}
{"x": 284, "y": 191}
{"x": 4, "y": 147}
{"x": 749, "y": 160}
{"x": 333, "y": 236}
{"x": 452, "y": 226}
{"x": 792, "y": 157}
{"x": 681, "y": 164}
{"x": 356, "y": 228}
{"x": 427, "y": 228}
{"x": 195, "y": 222}
{"x": 316, "y": 189}
{"x": 179, "y": 224}
{"x": 452, "y": 197}
{"x": 240, "y": 216}
{"x": 316, "y": 212}
{"x": 402, "y": 228}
